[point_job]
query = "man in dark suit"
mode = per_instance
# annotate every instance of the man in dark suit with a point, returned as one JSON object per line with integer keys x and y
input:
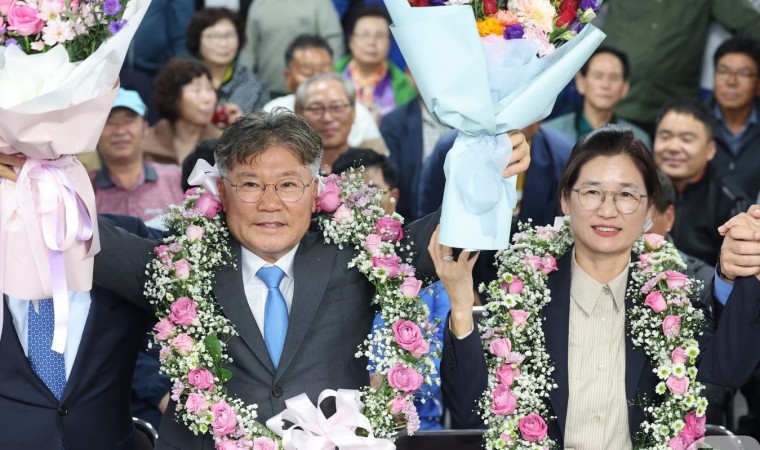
{"x": 328, "y": 306}
{"x": 88, "y": 407}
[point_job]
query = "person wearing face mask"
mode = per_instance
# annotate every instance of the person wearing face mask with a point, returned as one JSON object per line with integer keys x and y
{"x": 186, "y": 100}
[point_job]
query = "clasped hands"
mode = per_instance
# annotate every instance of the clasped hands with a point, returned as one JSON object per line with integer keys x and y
{"x": 740, "y": 252}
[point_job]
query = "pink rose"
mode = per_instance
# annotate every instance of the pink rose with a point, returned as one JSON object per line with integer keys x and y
{"x": 404, "y": 379}
{"x": 23, "y": 20}
{"x": 264, "y": 443}
{"x": 225, "y": 419}
{"x": 343, "y": 214}
{"x": 678, "y": 356}
{"x": 208, "y": 205}
{"x": 194, "y": 232}
{"x": 656, "y": 301}
{"x": 500, "y": 347}
{"x": 514, "y": 358}
{"x": 328, "y": 199}
{"x": 533, "y": 261}
{"x": 409, "y": 337}
{"x": 671, "y": 325}
{"x": 183, "y": 311}
{"x": 655, "y": 241}
{"x": 398, "y": 404}
{"x": 678, "y": 443}
{"x": 506, "y": 375}
{"x": 196, "y": 403}
{"x": 519, "y": 317}
{"x": 201, "y": 378}
{"x": 677, "y": 385}
{"x": 182, "y": 269}
{"x": 695, "y": 426}
{"x": 516, "y": 286}
{"x": 676, "y": 280}
{"x": 372, "y": 242}
{"x": 545, "y": 233}
{"x": 532, "y": 427}
{"x": 389, "y": 229}
{"x": 226, "y": 445}
{"x": 646, "y": 260}
{"x": 548, "y": 264}
{"x": 5, "y": 6}
{"x": 503, "y": 402}
{"x": 183, "y": 343}
{"x": 507, "y": 439}
{"x": 388, "y": 263}
{"x": 164, "y": 329}
{"x": 411, "y": 287}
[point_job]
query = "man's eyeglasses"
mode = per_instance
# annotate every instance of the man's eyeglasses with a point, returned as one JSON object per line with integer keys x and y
{"x": 318, "y": 110}
{"x": 625, "y": 201}
{"x": 289, "y": 190}
{"x": 741, "y": 74}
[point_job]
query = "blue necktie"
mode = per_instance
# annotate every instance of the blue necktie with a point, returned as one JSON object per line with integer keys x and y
{"x": 47, "y": 364}
{"x": 275, "y": 312}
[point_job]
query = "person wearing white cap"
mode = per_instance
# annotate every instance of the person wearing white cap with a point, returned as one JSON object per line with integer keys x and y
{"x": 126, "y": 183}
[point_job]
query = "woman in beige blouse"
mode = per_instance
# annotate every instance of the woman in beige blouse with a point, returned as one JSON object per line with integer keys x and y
{"x": 603, "y": 382}
{"x": 186, "y": 100}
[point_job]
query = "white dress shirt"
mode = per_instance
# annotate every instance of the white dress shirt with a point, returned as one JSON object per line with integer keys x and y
{"x": 79, "y": 309}
{"x": 255, "y": 289}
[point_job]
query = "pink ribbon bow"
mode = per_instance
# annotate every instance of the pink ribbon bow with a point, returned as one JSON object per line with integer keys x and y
{"x": 313, "y": 431}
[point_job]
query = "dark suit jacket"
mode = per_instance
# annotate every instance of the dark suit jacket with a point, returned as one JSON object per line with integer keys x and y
{"x": 725, "y": 358}
{"x": 402, "y": 131}
{"x": 94, "y": 412}
{"x": 330, "y": 316}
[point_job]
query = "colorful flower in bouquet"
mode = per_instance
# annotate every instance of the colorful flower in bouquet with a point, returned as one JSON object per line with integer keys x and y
{"x": 193, "y": 333}
{"x": 81, "y": 26}
{"x": 548, "y": 22}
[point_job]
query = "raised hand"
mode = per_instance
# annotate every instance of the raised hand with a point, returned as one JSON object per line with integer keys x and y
{"x": 740, "y": 252}
{"x": 520, "y": 159}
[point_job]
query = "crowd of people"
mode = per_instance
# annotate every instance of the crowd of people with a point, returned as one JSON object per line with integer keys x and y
{"x": 203, "y": 77}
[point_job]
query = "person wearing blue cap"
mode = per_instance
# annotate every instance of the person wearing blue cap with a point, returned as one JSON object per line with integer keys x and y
{"x": 127, "y": 184}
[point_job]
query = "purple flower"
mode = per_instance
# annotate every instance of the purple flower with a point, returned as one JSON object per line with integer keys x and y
{"x": 115, "y": 27}
{"x": 589, "y": 4}
{"x": 112, "y": 7}
{"x": 436, "y": 2}
{"x": 514, "y": 31}
{"x": 11, "y": 42}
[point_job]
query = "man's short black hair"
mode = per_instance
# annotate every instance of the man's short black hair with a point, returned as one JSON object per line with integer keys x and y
{"x": 358, "y": 157}
{"x": 304, "y": 41}
{"x": 612, "y": 51}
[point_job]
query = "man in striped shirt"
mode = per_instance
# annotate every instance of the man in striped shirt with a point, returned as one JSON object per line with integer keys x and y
{"x": 127, "y": 184}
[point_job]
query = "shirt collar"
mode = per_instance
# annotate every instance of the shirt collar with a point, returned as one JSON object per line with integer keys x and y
{"x": 586, "y": 291}
{"x": 252, "y": 263}
{"x": 751, "y": 120}
{"x": 103, "y": 176}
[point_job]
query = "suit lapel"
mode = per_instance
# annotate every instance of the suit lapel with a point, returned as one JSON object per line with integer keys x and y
{"x": 84, "y": 351}
{"x": 635, "y": 359}
{"x": 556, "y": 331}
{"x": 11, "y": 342}
{"x": 229, "y": 292}
{"x": 312, "y": 267}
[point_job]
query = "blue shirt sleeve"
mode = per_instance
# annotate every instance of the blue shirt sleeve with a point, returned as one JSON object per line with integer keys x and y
{"x": 722, "y": 289}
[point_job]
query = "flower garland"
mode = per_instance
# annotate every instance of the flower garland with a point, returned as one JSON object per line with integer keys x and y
{"x": 662, "y": 320}
{"x": 192, "y": 331}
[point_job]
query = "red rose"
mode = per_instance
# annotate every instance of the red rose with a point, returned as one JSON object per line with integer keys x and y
{"x": 489, "y": 6}
{"x": 568, "y": 12}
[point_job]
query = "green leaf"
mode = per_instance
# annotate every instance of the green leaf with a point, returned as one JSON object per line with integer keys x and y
{"x": 223, "y": 374}
{"x": 214, "y": 347}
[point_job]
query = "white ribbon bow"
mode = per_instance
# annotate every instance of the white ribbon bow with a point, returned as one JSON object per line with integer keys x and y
{"x": 313, "y": 431}
{"x": 205, "y": 176}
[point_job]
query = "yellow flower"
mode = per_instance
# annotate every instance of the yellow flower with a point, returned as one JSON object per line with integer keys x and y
{"x": 489, "y": 26}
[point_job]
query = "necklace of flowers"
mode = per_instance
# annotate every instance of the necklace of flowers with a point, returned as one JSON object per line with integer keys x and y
{"x": 514, "y": 405}
{"x": 192, "y": 331}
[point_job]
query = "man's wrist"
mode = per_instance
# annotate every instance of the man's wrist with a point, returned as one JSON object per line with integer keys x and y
{"x": 722, "y": 275}
{"x": 460, "y": 323}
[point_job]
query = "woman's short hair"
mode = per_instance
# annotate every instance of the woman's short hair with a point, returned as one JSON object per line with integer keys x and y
{"x": 610, "y": 140}
{"x": 167, "y": 89}
{"x": 208, "y": 17}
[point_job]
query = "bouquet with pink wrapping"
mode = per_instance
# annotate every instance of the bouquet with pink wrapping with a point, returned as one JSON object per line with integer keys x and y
{"x": 59, "y": 67}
